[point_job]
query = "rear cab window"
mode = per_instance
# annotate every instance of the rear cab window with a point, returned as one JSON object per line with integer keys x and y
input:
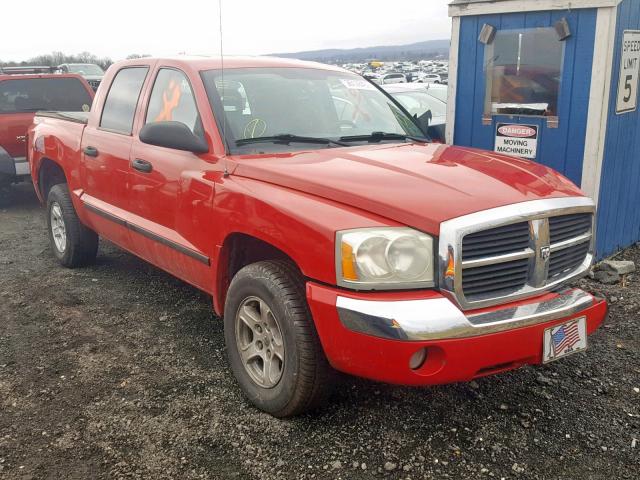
{"x": 23, "y": 95}
{"x": 122, "y": 99}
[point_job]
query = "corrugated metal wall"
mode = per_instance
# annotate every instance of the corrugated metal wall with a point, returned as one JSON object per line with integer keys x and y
{"x": 561, "y": 148}
{"x": 619, "y": 202}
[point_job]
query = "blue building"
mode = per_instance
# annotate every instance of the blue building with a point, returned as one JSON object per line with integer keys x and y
{"x": 555, "y": 81}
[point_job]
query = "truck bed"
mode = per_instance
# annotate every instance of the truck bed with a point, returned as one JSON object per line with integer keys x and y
{"x": 76, "y": 117}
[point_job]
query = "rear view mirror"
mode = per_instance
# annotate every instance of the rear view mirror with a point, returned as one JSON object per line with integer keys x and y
{"x": 174, "y": 135}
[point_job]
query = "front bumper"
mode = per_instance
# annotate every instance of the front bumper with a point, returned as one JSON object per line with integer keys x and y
{"x": 376, "y": 335}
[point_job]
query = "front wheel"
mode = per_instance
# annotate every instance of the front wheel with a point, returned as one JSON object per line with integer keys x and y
{"x": 73, "y": 244}
{"x": 272, "y": 344}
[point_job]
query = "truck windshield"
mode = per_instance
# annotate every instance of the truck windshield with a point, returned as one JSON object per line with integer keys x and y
{"x": 33, "y": 94}
{"x": 299, "y": 103}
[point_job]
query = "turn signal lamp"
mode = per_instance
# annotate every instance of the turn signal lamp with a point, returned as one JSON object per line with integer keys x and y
{"x": 348, "y": 263}
{"x": 450, "y": 272}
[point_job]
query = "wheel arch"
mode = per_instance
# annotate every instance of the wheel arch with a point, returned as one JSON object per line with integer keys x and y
{"x": 238, "y": 250}
{"x": 50, "y": 173}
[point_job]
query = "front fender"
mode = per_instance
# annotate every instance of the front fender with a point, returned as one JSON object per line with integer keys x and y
{"x": 301, "y": 225}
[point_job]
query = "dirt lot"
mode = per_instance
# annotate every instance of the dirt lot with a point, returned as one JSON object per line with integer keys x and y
{"x": 118, "y": 371}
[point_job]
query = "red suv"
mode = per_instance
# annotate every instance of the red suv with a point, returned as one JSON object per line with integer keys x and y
{"x": 20, "y": 97}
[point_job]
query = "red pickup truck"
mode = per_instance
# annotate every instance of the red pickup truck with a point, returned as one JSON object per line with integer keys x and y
{"x": 20, "y": 97}
{"x": 330, "y": 233}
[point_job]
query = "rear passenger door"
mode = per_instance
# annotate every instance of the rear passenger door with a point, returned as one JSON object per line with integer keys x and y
{"x": 106, "y": 146}
{"x": 167, "y": 192}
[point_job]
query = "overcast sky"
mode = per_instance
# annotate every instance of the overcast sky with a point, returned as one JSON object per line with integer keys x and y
{"x": 117, "y": 28}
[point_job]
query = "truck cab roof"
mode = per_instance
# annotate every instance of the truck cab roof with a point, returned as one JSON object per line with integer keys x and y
{"x": 212, "y": 63}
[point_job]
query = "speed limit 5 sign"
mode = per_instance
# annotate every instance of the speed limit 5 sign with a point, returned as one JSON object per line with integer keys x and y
{"x": 629, "y": 70}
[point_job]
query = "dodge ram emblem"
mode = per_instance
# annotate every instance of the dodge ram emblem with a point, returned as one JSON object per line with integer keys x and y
{"x": 545, "y": 253}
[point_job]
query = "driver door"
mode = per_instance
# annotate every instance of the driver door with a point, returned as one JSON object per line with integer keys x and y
{"x": 167, "y": 194}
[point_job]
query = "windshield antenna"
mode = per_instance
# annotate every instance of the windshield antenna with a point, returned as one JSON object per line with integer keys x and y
{"x": 224, "y": 117}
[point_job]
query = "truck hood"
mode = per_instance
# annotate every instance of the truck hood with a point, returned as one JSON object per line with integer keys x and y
{"x": 412, "y": 184}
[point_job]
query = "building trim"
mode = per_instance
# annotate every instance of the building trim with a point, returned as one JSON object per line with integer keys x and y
{"x": 599, "y": 99}
{"x": 487, "y": 7}
{"x": 453, "y": 79}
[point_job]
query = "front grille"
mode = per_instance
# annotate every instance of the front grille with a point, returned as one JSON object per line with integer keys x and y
{"x": 526, "y": 256}
{"x": 497, "y": 241}
{"x": 566, "y": 227}
{"x": 566, "y": 260}
{"x": 498, "y": 278}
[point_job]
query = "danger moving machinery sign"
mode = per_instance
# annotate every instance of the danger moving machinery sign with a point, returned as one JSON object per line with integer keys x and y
{"x": 517, "y": 140}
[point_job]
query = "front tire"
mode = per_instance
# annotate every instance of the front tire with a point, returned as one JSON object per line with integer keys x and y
{"x": 272, "y": 344}
{"x": 73, "y": 244}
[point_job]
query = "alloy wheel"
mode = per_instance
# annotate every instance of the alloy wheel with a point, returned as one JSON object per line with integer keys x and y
{"x": 260, "y": 342}
{"x": 58, "y": 228}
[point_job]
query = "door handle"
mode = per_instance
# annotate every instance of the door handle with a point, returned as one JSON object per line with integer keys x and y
{"x": 142, "y": 166}
{"x": 91, "y": 151}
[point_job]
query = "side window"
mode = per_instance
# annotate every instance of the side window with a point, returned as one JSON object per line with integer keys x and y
{"x": 120, "y": 105}
{"x": 172, "y": 100}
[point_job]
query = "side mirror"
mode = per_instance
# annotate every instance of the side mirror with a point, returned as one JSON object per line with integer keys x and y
{"x": 174, "y": 135}
{"x": 424, "y": 121}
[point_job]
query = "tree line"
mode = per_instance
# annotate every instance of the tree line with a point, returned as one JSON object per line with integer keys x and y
{"x": 57, "y": 58}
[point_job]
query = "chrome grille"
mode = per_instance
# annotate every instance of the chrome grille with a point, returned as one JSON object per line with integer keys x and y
{"x": 506, "y": 239}
{"x": 495, "y": 278}
{"x": 568, "y": 259}
{"x": 511, "y": 252}
{"x": 569, "y": 226}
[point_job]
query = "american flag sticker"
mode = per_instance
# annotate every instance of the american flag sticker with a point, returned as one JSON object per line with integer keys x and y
{"x": 565, "y": 339}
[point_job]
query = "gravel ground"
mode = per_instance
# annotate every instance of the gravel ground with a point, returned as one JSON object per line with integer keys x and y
{"x": 118, "y": 371}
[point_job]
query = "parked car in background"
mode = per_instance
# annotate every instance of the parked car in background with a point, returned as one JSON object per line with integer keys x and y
{"x": 393, "y": 78}
{"x": 326, "y": 243}
{"x": 91, "y": 72}
{"x": 424, "y": 101}
{"x": 20, "y": 97}
{"x": 429, "y": 78}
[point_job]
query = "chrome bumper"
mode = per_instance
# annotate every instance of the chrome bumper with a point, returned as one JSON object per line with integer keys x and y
{"x": 439, "y": 318}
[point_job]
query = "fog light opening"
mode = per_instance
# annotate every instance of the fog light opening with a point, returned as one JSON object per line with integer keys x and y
{"x": 417, "y": 359}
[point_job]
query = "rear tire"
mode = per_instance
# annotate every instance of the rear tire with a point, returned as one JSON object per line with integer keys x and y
{"x": 272, "y": 344}
{"x": 73, "y": 244}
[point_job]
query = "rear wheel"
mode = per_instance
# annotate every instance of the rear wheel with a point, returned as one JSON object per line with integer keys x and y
{"x": 272, "y": 344}
{"x": 73, "y": 244}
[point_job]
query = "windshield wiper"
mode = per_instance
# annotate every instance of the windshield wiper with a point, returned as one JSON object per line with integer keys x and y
{"x": 288, "y": 138}
{"x": 380, "y": 136}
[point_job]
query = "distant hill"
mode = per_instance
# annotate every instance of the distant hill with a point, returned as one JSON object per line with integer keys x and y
{"x": 413, "y": 51}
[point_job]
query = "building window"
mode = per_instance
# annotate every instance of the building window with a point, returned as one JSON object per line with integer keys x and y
{"x": 523, "y": 70}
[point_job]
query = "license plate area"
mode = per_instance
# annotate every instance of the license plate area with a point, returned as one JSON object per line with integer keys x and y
{"x": 565, "y": 339}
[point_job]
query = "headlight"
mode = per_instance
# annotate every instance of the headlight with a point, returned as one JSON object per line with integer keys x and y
{"x": 384, "y": 258}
